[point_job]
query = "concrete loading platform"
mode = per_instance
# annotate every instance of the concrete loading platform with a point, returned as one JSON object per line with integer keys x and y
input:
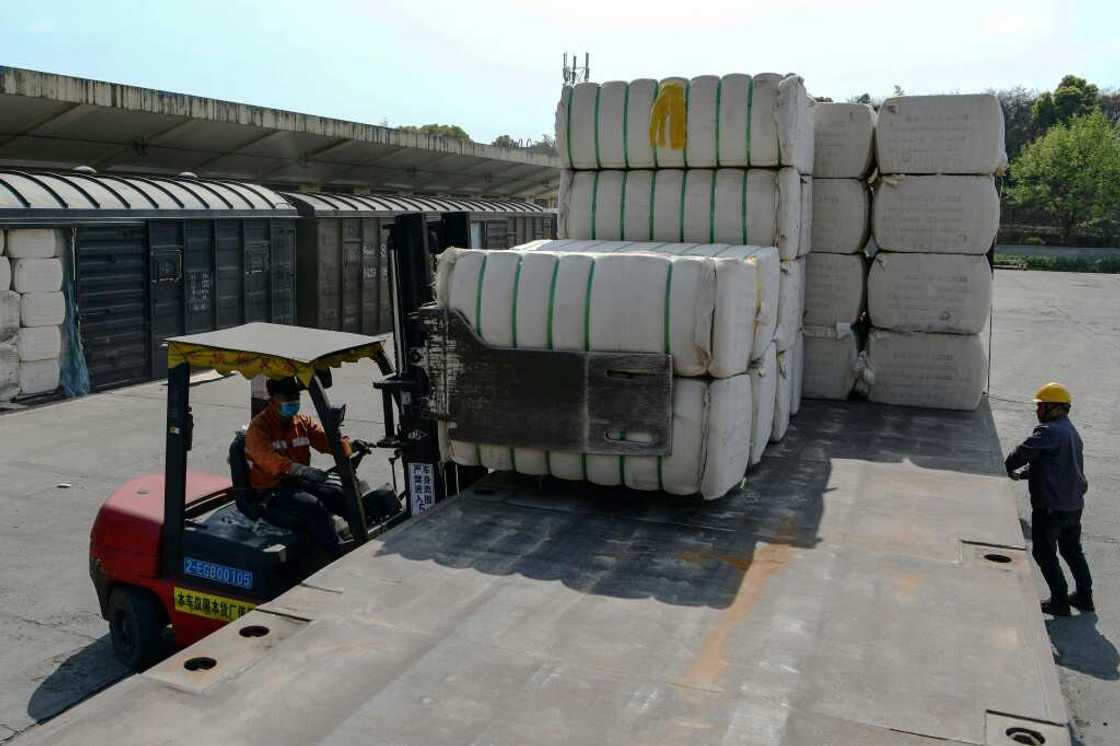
{"x": 846, "y": 596}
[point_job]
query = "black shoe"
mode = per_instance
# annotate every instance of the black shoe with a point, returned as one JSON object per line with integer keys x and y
{"x": 1081, "y": 602}
{"x": 1053, "y": 609}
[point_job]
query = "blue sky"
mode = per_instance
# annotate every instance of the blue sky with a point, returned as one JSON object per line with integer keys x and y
{"x": 494, "y": 67}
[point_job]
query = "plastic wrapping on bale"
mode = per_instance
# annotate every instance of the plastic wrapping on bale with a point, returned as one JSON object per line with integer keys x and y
{"x": 831, "y": 363}
{"x": 37, "y": 275}
{"x": 941, "y": 135}
{"x": 798, "y": 374}
{"x": 805, "y": 234}
{"x": 5, "y": 273}
{"x": 834, "y": 289}
{"x": 9, "y": 371}
{"x": 844, "y": 142}
{"x": 841, "y": 215}
{"x": 39, "y": 343}
{"x": 950, "y": 293}
{"x": 944, "y": 371}
{"x": 42, "y": 309}
{"x": 791, "y": 304}
{"x": 764, "y": 393}
{"x": 35, "y": 243}
{"x": 9, "y": 314}
{"x": 761, "y": 263}
{"x": 710, "y": 447}
{"x": 783, "y": 396}
{"x": 706, "y": 122}
{"x": 38, "y": 377}
{"x": 734, "y": 206}
{"x": 936, "y": 214}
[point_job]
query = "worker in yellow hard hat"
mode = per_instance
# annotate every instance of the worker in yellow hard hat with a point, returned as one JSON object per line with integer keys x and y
{"x": 1055, "y": 474}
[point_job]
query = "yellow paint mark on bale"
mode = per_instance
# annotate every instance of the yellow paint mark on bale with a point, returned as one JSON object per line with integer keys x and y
{"x": 668, "y": 118}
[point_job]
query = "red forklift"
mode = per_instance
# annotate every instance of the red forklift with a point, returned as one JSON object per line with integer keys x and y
{"x": 186, "y": 552}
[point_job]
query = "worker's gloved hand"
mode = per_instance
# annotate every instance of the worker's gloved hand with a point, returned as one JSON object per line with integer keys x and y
{"x": 1014, "y": 476}
{"x": 308, "y": 473}
{"x": 361, "y": 446}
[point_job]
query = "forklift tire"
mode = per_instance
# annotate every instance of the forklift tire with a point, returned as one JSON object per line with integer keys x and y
{"x": 136, "y": 624}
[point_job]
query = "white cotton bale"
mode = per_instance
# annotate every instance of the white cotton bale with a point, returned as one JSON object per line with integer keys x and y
{"x": 841, "y": 215}
{"x": 760, "y": 266}
{"x": 834, "y": 289}
{"x": 710, "y": 447}
{"x": 783, "y": 396}
{"x": 949, "y": 293}
{"x": 798, "y": 374}
{"x": 844, "y": 146}
{"x": 42, "y": 309}
{"x": 764, "y": 391}
{"x": 941, "y": 135}
{"x": 733, "y": 121}
{"x": 35, "y": 243}
{"x": 734, "y": 206}
{"x": 9, "y": 314}
{"x": 37, "y": 275}
{"x": 39, "y": 343}
{"x": 805, "y": 232}
{"x": 638, "y": 302}
{"x": 791, "y": 304}
{"x": 5, "y": 273}
{"x": 944, "y": 371}
{"x": 9, "y": 371}
{"x": 38, "y": 377}
{"x": 936, "y": 214}
{"x": 831, "y": 363}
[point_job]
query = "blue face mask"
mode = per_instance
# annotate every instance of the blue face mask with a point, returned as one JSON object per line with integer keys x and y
{"x": 289, "y": 408}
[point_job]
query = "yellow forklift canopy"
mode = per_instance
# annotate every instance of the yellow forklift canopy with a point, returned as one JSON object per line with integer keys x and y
{"x": 274, "y": 350}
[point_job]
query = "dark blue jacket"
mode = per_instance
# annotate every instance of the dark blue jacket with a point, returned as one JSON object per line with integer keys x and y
{"x": 1055, "y": 466}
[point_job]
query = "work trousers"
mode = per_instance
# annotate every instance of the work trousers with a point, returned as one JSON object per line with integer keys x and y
{"x": 1054, "y": 531}
{"x": 308, "y": 507}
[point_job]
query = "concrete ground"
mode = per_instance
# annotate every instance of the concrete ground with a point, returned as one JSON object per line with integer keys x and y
{"x": 54, "y": 649}
{"x": 1066, "y": 327}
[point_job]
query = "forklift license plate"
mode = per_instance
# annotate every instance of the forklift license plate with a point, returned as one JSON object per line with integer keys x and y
{"x": 210, "y": 606}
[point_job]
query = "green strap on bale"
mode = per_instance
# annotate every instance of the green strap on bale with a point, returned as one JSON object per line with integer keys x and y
{"x": 594, "y": 203}
{"x": 626, "y": 127}
{"x": 598, "y": 162}
{"x": 568, "y": 130}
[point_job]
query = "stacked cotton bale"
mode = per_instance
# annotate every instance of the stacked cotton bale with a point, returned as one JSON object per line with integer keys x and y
{"x": 32, "y": 310}
{"x": 935, "y": 217}
{"x": 711, "y": 160}
{"x": 836, "y": 271}
{"x": 700, "y": 309}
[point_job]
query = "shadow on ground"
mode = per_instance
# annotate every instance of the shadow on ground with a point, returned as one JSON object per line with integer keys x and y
{"x": 80, "y": 676}
{"x": 1080, "y": 646}
{"x": 686, "y": 551}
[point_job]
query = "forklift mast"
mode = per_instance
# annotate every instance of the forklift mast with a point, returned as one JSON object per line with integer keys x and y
{"x": 413, "y": 244}
{"x": 574, "y": 401}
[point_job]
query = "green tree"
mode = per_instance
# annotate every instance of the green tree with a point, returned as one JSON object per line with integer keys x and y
{"x": 505, "y": 141}
{"x": 1073, "y": 97}
{"x": 1018, "y": 117}
{"x": 1072, "y": 174}
{"x": 452, "y": 131}
{"x": 546, "y": 145}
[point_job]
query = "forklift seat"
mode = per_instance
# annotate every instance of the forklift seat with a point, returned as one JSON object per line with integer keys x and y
{"x": 243, "y": 493}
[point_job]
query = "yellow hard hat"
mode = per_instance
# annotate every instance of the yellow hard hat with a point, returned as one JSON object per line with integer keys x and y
{"x": 1052, "y": 393}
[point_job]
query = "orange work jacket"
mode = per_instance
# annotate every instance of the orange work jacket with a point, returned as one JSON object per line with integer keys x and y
{"x": 274, "y": 443}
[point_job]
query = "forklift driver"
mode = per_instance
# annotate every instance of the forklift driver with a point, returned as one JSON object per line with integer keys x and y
{"x": 295, "y": 495}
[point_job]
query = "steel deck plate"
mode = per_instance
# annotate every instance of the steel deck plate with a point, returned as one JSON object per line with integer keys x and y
{"x": 845, "y": 596}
